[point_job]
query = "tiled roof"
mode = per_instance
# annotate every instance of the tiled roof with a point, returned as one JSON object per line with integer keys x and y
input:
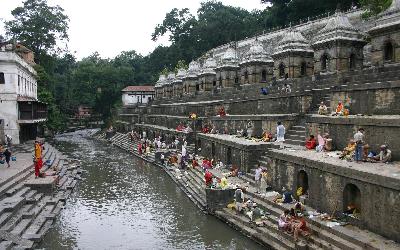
{"x": 138, "y": 89}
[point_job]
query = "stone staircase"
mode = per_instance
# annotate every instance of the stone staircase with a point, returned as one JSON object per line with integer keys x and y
{"x": 191, "y": 181}
{"x": 296, "y": 135}
{"x": 26, "y": 213}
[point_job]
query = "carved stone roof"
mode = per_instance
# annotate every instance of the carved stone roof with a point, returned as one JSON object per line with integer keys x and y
{"x": 389, "y": 18}
{"x": 229, "y": 59}
{"x": 161, "y": 81}
{"x": 170, "y": 78}
{"x": 338, "y": 27}
{"x": 256, "y": 53}
{"x": 179, "y": 76}
{"x": 209, "y": 66}
{"x": 194, "y": 70}
{"x": 293, "y": 41}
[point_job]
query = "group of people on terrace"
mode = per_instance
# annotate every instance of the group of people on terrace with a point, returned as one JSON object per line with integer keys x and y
{"x": 341, "y": 110}
{"x": 356, "y": 150}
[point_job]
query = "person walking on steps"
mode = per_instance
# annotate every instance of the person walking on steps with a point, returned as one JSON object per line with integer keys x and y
{"x": 7, "y": 155}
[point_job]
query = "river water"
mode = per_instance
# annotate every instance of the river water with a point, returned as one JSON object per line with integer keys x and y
{"x": 125, "y": 203}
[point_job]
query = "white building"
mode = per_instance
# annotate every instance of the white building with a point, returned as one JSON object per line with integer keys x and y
{"x": 137, "y": 95}
{"x": 20, "y": 110}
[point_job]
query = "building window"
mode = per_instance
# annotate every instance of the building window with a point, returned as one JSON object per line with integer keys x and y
{"x": 303, "y": 69}
{"x": 352, "y": 61}
{"x": 264, "y": 76}
{"x": 19, "y": 80}
{"x": 214, "y": 83}
{"x": 324, "y": 62}
{"x": 281, "y": 70}
{"x": 2, "y": 80}
{"x": 388, "y": 50}
{"x": 246, "y": 75}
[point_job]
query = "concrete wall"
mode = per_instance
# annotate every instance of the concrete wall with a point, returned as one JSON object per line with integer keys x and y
{"x": 378, "y": 130}
{"x": 380, "y": 100}
{"x": 245, "y": 155}
{"x": 380, "y": 195}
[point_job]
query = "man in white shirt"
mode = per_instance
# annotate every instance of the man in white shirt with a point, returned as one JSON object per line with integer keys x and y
{"x": 359, "y": 139}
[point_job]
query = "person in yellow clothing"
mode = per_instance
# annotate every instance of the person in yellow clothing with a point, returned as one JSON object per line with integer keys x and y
{"x": 38, "y": 158}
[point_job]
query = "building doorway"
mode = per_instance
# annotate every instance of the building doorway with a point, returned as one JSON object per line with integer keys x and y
{"x": 388, "y": 52}
{"x": 213, "y": 150}
{"x": 229, "y": 156}
{"x": 351, "y": 199}
{"x": 302, "y": 182}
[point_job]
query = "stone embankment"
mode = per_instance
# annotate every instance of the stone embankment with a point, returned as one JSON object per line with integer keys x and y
{"x": 324, "y": 236}
{"x": 29, "y": 205}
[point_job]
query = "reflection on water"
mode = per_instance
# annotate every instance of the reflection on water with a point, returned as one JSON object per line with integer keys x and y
{"x": 125, "y": 203}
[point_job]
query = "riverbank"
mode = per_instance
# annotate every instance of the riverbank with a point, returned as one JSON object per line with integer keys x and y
{"x": 324, "y": 235}
{"x": 28, "y": 205}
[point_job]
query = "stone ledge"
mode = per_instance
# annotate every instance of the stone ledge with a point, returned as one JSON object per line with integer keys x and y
{"x": 258, "y": 117}
{"x": 386, "y": 175}
{"x": 374, "y": 120}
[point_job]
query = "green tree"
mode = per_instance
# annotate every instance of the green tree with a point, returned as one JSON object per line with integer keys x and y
{"x": 374, "y": 7}
{"x": 38, "y": 26}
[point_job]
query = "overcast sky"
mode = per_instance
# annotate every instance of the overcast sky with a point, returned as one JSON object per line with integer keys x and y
{"x": 112, "y": 26}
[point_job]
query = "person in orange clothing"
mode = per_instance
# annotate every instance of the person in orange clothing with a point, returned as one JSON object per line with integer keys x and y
{"x": 38, "y": 158}
{"x": 339, "y": 109}
{"x": 311, "y": 143}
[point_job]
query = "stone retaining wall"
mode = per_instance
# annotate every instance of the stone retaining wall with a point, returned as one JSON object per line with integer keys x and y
{"x": 380, "y": 195}
{"x": 378, "y": 130}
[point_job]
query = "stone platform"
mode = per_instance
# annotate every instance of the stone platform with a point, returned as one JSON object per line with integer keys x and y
{"x": 375, "y": 187}
{"x": 324, "y": 235}
{"x": 29, "y": 206}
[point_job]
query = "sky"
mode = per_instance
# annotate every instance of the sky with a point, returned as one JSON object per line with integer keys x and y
{"x": 110, "y": 27}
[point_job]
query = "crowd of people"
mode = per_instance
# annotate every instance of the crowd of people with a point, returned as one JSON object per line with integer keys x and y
{"x": 356, "y": 150}
{"x": 341, "y": 110}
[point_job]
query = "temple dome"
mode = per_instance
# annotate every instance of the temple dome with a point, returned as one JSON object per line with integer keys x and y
{"x": 209, "y": 66}
{"x": 170, "y": 78}
{"x": 181, "y": 74}
{"x": 338, "y": 27}
{"x": 256, "y": 53}
{"x": 293, "y": 41}
{"x": 229, "y": 58}
{"x": 161, "y": 81}
{"x": 194, "y": 69}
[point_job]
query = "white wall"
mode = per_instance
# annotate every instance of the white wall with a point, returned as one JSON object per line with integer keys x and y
{"x": 132, "y": 98}
{"x": 13, "y": 68}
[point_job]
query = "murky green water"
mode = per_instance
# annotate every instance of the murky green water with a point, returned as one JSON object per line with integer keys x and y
{"x": 125, "y": 203}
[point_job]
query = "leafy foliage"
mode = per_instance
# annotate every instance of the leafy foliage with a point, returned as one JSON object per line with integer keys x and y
{"x": 38, "y": 26}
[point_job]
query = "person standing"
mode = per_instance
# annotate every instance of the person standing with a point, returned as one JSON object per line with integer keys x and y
{"x": 359, "y": 139}
{"x": 7, "y": 155}
{"x": 264, "y": 181}
{"x": 257, "y": 177}
{"x": 38, "y": 158}
{"x": 280, "y": 132}
{"x": 8, "y": 141}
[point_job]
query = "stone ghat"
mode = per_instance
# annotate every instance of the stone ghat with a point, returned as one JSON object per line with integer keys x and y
{"x": 29, "y": 206}
{"x": 374, "y": 187}
{"x": 323, "y": 236}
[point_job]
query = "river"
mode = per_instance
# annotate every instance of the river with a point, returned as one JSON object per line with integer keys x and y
{"x": 125, "y": 203}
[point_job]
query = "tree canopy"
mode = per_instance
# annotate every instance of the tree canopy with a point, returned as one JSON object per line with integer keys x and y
{"x": 65, "y": 83}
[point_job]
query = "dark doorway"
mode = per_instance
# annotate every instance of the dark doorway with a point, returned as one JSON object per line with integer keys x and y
{"x": 302, "y": 181}
{"x": 264, "y": 76}
{"x": 388, "y": 50}
{"x": 213, "y": 150}
{"x": 352, "y": 198}
{"x": 282, "y": 70}
{"x": 229, "y": 156}
{"x": 352, "y": 61}
{"x": 303, "y": 69}
{"x": 324, "y": 62}
{"x": 27, "y": 132}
